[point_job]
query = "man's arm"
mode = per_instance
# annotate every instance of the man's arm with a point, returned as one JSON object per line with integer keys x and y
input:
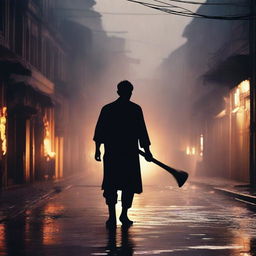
{"x": 97, "y": 151}
{"x": 144, "y": 138}
{"x": 99, "y": 135}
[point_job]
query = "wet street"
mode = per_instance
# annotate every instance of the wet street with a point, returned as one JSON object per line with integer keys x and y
{"x": 168, "y": 221}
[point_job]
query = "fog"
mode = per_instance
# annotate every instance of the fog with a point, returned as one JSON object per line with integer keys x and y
{"x": 165, "y": 57}
{"x": 150, "y": 35}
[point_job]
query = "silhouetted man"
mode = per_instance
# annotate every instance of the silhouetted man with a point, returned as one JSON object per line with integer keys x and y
{"x": 120, "y": 127}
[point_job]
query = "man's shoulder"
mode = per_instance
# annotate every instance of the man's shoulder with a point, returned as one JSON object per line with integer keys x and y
{"x": 135, "y": 106}
{"x": 115, "y": 104}
{"x": 108, "y": 106}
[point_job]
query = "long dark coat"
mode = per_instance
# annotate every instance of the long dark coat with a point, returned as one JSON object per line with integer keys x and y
{"x": 120, "y": 127}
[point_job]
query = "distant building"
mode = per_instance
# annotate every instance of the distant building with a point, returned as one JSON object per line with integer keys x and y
{"x": 222, "y": 115}
{"x": 35, "y": 84}
{"x": 207, "y": 84}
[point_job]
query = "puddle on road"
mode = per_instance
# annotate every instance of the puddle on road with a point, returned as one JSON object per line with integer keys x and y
{"x": 216, "y": 247}
{"x": 197, "y": 234}
{"x": 153, "y": 252}
{"x": 145, "y": 252}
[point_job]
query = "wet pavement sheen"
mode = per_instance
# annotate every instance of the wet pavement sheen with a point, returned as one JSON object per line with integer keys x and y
{"x": 168, "y": 221}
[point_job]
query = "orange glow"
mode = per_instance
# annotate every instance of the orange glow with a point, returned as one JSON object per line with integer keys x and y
{"x": 50, "y": 226}
{"x": 119, "y": 207}
{"x": 239, "y": 94}
{"x": 201, "y": 144}
{"x": 222, "y": 114}
{"x": 3, "y": 115}
{"x": 50, "y": 229}
{"x": 47, "y": 142}
{"x": 190, "y": 151}
{"x": 244, "y": 86}
{"x": 59, "y": 144}
{"x": 150, "y": 170}
{"x": 2, "y": 236}
{"x": 240, "y": 102}
{"x": 146, "y": 166}
{"x": 237, "y": 98}
{"x": 53, "y": 209}
{"x": 235, "y": 110}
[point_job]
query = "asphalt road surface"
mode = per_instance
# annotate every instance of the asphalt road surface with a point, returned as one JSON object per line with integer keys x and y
{"x": 167, "y": 221}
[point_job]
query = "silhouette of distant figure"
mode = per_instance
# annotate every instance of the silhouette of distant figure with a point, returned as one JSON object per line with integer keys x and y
{"x": 120, "y": 127}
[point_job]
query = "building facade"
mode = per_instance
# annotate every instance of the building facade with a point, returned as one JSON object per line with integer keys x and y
{"x": 202, "y": 77}
{"x": 34, "y": 83}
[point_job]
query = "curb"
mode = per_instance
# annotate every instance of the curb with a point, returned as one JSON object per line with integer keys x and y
{"x": 34, "y": 203}
{"x": 237, "y": 195}
{"x": 58, "y": 187}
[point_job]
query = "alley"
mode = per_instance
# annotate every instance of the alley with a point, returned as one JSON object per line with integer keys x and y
{"x": 168, "y": 221}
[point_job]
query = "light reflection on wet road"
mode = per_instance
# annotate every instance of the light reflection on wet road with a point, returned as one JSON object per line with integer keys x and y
{"x": 168, "y": 221}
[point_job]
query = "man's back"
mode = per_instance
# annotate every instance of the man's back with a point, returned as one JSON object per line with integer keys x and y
{"x": 121, "y": 123}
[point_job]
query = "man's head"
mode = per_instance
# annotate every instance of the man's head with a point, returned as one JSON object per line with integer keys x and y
{"x": 124, "y": 90}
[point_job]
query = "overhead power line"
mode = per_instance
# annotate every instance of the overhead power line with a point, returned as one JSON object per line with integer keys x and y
{"x": 205, "y": 3}
{"x": 181, "y": 11}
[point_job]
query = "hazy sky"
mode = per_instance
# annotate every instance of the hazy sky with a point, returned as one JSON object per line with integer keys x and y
{"x": 150, "y": 37}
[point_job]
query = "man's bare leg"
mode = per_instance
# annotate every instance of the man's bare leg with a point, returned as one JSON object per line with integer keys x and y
{"x": 127, "y": 198}
{"x": 111, "y": 222}
{"x": 124, "y": 217}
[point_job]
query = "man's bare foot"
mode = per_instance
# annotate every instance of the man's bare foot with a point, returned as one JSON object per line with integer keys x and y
{"x": 125, "y": 220}
{"x": 111, "y": 223}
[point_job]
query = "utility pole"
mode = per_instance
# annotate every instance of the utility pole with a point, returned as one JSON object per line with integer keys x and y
{"x": 253, "y": 94}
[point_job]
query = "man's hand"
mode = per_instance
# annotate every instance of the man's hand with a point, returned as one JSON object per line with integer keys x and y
{"x": 97, "y": 152}
{"x": 97, "y": 155}
{"x": 148, "y": 155}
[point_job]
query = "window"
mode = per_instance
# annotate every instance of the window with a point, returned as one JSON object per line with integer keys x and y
{"x": 27, "y": 43}
{"x": 2, "y": 15}
{"x": 56, "y": 64}
{"x": 34, "y": 45}
{"x": 18, "y": 40}
{"x": 48, "y": 58}
{"x": 34, "y": 51}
